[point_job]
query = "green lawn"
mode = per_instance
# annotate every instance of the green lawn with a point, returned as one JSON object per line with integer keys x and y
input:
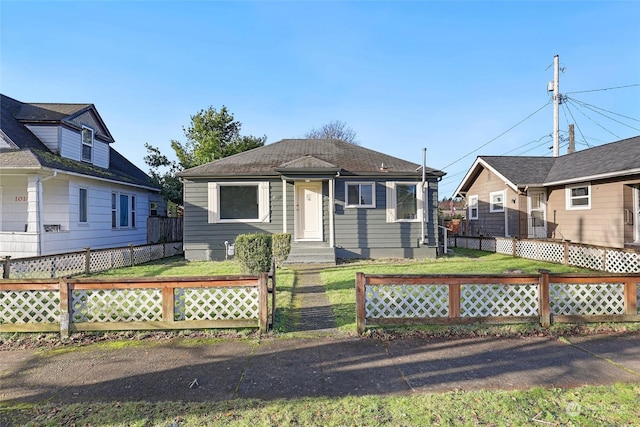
{"x": 615, "y": 405}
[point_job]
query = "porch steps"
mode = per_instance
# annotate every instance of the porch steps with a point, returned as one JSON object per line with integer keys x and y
{"x": 311, "y": 253}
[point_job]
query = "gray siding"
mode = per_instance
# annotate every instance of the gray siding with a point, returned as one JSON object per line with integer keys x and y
{"x": 204, "y": 241}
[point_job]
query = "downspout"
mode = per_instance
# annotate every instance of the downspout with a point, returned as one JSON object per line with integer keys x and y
{"x": 424, "y": 198}
{"x": 40, "y": 207}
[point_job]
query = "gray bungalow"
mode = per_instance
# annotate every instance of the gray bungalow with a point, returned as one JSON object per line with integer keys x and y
{"x": 336, "y": 199}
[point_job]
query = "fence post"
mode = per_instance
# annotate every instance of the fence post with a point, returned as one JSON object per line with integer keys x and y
{"x": 272, "y": 276}
{"x": 131, "y": 254}
{"x": 360, "y": 302}
{"x": 6, "y": 266}
{"x": 65, "y": 307}
{"x": 630, "y": 298}
{"x": 87, "y": 260}
{"x": 263, "y": 309}
{"x": 514, "y": 245}
{"x": 454, "y": 300}
{"x": 544, "y": 306}
{"x": 168, "y": 303}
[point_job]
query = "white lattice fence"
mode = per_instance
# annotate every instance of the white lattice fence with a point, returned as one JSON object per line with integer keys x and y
{"x": 623, "y": 262}
{"x": 401, "y": 301}
{"x": 116, "y": 305}
{"x": 541, "y": 251}
{"x": 498, "y": 300}
{"x": 156, "y": 252}
{"x": 587, "y": 257}
{"x": 504, "y": 246}
{"x": 141, "y": 255}
{"x": 488, "y": 245}
{"x": 232, "y": 303}
{"x": 23, "y": 307}
{"x": 587, "y": 299}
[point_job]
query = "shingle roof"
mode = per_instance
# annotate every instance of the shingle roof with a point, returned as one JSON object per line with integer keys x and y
{"x": 32, "y": 153}
{"x": 350, "y": 159}
{"x": 613, "y": 159}
{"x": 609, "y": 160}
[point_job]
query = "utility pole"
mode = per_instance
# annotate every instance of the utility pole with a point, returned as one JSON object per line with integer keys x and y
{"x": 556, "y": 106}
{"x": 572, "y": 140}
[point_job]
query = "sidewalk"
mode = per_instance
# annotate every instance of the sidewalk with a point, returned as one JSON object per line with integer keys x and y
{"x": 325, "y": 366}
{"x": 329, "y": 364}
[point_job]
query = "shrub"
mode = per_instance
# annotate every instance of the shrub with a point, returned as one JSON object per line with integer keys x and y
{"x": 253, "y": 252}
{"x": 281, "y": 246}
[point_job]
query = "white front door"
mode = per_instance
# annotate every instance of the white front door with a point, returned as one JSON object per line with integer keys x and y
{"x": 308, "y": 211}
{"x": 537, "y": 216}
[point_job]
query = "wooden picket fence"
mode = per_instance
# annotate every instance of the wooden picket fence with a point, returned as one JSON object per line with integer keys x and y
{"x": 90, "y": 304}
{"x": 519, "y": 298}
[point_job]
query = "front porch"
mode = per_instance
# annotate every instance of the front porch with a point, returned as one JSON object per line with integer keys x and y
{"x": 311, "y": 253}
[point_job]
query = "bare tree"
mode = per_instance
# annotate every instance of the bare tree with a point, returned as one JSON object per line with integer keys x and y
{"x": 335, "y": 129}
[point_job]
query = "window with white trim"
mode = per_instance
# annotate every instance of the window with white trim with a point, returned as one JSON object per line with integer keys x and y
{"x": 87, "y": 144}
{"x": 360, "y": 194}
{"x": 473, "y": 207}
{"x": 83, "y": 204}
{"x": 123, "y": 210}
{"x": 238, "y": 202}
{"x": 496, "y": 201}
{"x": 578, "y": 197}
{"x": 404, "y": 202}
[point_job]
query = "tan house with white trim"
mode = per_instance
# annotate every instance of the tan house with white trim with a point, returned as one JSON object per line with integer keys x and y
{"x": 590, "y": 196}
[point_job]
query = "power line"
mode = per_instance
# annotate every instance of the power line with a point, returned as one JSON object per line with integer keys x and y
{"x": 503, "y": 133}
{"x": 593, "y": 108}
{"x": 577, "y": 126}
{"x": 600, "y": 90}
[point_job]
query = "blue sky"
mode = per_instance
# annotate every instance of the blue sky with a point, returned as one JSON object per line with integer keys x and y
{"x": 448, "y": 76}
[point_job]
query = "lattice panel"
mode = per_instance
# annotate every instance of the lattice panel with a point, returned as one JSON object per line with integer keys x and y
{"x": 233, "y": 303}
{"x": 623, "y": 262}
{"x": 29, "y": 307}
{"x": 504, "y": 246}
{"x": 400, "y": 301}
{"x": 35, "y": 268}
{"x": 488, "y": 245}
{"x": 141, "y": 255}
{"x": 116, "y": 305}
{"x": 541, "y": 251}
{"x": 156, "y": 252}
{"x": 120, "y": 258}
{"x": 588, "y": 299}
{"x": 498, "y": 300}
{"x": 587, "y": 257}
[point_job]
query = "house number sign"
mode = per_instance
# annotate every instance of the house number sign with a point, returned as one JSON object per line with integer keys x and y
{"x": 22, "y": 199}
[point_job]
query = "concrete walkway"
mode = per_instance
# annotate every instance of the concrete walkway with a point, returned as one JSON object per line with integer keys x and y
{"x": 311, "y": 308}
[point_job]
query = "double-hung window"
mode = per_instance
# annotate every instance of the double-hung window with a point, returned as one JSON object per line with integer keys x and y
{"x": 404, "y": 202}
{"x": 578, "y": 197}
{"x": 473, "y": 207}
{"x": 87, "y": 144}
{"x": 360, "y": 194}
{"x": 238, "y": 202}
{"x": 496, "y": 201}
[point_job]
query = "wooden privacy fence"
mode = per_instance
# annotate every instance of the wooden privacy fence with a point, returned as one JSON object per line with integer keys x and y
{"x": 611, "y": 260}
{"x": 66, "y": 305}
{"x": 462, "y": 299}
{"x": 85, "y": 262}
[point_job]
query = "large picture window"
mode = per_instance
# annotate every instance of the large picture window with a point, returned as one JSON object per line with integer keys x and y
{"x": 404, "y": 202}
{"x": 238, "y": 202}
{"x": 578, "y": 197}
{"x": 123, "y": 210}
{"x": 360, "y": 194}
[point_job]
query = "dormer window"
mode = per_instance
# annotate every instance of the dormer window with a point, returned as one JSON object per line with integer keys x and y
{"x": 87, "y": 144}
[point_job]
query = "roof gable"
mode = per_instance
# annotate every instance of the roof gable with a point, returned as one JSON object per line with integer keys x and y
{"x": 313, "y": 153}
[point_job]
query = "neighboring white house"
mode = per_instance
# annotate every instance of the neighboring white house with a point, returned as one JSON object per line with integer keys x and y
{"x": 62, "y": 187}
